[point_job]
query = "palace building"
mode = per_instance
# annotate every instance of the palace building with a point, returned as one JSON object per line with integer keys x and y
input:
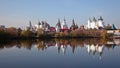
{"x": 95, "y": 24}
{"x": 62, "y": 27}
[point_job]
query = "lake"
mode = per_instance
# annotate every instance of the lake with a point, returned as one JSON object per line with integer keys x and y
{"x": 60, "y": 53}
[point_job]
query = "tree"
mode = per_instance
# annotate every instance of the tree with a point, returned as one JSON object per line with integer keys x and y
{"x": 66, "y": 33}
{"x": 40, "y": 32}
{"x": 104, "y": 34}
{"x": 3, "y": 33}
{"x": 12, "y": 31}
{"x": 73, "y": 33}
{"x": 26, "y": 33}
{"x": 61, "y": 34}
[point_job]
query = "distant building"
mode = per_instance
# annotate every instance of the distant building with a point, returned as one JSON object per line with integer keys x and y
{"x": 52, "y": 29}
{"x": 73, "y": 26}
{"x": 58, "y": 26}
{"x": 82, "y": 27}
{"x": 42, "y": 25}
{"x": 113, "y": 27}
{"x": 30, "y": 27}
{"x": 62, "y": 27}
{"x": 2, "y": 26}
{"x": 95, "y": 24}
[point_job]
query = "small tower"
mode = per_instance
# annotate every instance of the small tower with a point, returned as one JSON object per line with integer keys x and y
{"x": 39, "y": 24}
{"x": 73, "y": 22}
{"x": 42, "y": 25}
{"x": 73, "y": 25}
{"x": 59, "y": 23}
{"x": 100, "y": 23}
{"x": 30, "y": 25}
{"x": 100, "y": 18}
{"x": 94, "y": 24}
{"x": 94, "y": 19}
{"x": 64, "y": 25}
{"x": 89, "y": 24}
{"x": 58, "y": 26}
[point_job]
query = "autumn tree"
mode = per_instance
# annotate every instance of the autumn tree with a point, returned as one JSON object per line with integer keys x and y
{"x": 40, "y": 32}
{"x": 12, "y": 31}
{"x": 3, "y": 33}
{"x": 26, "y": 33}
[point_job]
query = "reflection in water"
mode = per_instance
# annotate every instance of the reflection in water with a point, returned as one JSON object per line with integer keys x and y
{"x": 95, "y": 49}
{"x": 93, "y": 46}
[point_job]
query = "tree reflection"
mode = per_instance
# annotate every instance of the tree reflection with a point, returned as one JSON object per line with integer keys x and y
{"x": 93, "y": 46}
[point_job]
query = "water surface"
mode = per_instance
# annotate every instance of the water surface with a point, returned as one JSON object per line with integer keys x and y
{"x": 60, "y": 53}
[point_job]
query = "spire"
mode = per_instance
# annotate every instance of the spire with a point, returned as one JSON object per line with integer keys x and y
{"x": 58, "y": 20}
{"x": 30, "y": 24}
{"x": 94, "y": 19}
{"x": 58, "y": 23}
{"x": 39, "y": 23}
{"x": 43, "y": 22}
{"x": 64, "y": 25}
{"x": 89, "y": 19}
{"x": 73, "y": 22}
{"x": 64, "y": 20}
{"x": 100, "y": 18}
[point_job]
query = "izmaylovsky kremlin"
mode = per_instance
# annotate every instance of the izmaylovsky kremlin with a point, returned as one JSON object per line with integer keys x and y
{"x": 91, "y": 24}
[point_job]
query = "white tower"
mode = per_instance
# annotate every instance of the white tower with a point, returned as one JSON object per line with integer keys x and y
{"x": 58, "y": 26}
{"x": 100, "y": 22}
{"x": 89, "y": 24}
{"x": 64, "y": 25}
{"x": 94, "y": 24}
{"x": 57, "y": 29}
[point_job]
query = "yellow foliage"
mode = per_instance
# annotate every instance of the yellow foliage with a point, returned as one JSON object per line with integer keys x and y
{"x": 26, "y": 33}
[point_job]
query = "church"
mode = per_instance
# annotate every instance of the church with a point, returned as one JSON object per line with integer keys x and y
{"x": 62, "y": 27}
{"x": 95, "y": 24}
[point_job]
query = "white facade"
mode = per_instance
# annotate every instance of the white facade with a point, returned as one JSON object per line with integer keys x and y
{"x": 39, "y": 25}
{"x": 57, "y": 29}
{"x": 64, "y": 25}
{"x": 89, "y": 24}
{"x": 100, "y": 23}
{"x": 61, "y": 26}
{"x": 42, "y": 25}
{"x": 95, "y": 24}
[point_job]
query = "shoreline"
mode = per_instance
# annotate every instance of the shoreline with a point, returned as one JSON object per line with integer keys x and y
{"x": 45, "y": 38}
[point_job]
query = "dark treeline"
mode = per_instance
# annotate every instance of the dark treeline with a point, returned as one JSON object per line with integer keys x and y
{"x": 14, "y": 33}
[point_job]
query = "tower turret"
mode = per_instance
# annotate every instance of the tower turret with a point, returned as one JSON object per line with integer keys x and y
{"x": 64, "y": 25}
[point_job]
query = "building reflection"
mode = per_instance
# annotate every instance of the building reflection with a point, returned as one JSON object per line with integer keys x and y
{"x": 93, "y": 49}
{"x": 92, "y": 46}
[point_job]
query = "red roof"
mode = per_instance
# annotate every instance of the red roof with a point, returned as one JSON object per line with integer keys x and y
{"x": 52, "y": 28}
{"x": 66, "y": 29}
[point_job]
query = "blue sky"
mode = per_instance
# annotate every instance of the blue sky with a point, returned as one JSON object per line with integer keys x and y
{"x": 18, "y": 12}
